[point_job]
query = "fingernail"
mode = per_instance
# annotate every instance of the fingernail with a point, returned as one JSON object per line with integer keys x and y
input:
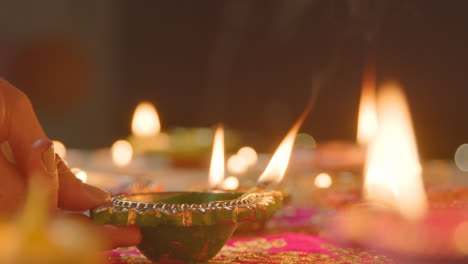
{"x": 97, "y": 194}
{"x": 48, "y": 158}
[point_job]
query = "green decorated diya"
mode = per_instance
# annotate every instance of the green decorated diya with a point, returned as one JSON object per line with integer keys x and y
{"x": 188, "y": 227}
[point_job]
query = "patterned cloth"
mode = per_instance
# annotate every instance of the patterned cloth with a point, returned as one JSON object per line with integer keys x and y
{"x": 284, "y": 247}
{"x": 288, "y": 248}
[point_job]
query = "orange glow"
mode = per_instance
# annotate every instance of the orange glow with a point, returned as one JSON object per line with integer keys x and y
{"x": 393, "y": 171}
{"x": 145, "y": 120}
{"x": 278, "y": 164}
{"x": 122, "y": 153}
{"x": 367, "y": 119}
{"x": 216, "y": 175}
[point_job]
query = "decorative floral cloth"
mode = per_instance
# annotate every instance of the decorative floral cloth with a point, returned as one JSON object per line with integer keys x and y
{"x": 288, "y": 248}
{"x": 302, "y": 246}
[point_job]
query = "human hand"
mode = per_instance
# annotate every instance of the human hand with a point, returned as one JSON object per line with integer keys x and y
{"x": 34, "y": 156}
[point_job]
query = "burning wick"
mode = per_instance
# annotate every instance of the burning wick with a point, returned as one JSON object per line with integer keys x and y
{"x": 278, "y": 164}
{"x": 216, "y": 174}
{"x": 393, "y": 171}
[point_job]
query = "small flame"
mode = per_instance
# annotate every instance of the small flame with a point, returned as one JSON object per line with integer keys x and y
{"x": 145, "y": 120}
{"x": 122, "y": 153}
{"x": 60, "y": 148}
{"x": 367, "y": 120}
{"x": 278, "y": 164}
{"x": 216, "y": 175}
{"x": 393, "y": 171}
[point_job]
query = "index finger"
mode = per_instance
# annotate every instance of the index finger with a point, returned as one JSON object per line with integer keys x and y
{"x": 18, "y": 123}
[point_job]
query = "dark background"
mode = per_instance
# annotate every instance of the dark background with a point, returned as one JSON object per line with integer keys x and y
{"x": 249, "y": 64}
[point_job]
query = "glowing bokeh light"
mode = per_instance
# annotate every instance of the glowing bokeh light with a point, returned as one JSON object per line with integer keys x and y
{"x": 230, "y": 183}
{"x": 248, "y": 154}
{"x": 323, "y": 180}
{"x": 461, "y": 157}
{"x": 237, "y": 164}
{"x": 122, "y": 153}
{"x": 145, "y": 120}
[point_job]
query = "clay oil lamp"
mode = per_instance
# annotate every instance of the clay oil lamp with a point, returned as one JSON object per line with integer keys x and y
{"x": 186, "y": 227}
{"x": 191, "y": 227}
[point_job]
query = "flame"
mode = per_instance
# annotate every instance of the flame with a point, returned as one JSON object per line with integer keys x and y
{"x": 278, "y": 164}
{"x": 122, "y": 153}
{"x": 60, "y": 148}
{"x": 145, "y": 120}
{"x": 393, "y": 171}
{"x": 216, "y": 175}
{"x": 367, "y": 119}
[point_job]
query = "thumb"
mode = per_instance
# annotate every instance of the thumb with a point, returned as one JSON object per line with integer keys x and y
{"x": 41, "y": 164}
